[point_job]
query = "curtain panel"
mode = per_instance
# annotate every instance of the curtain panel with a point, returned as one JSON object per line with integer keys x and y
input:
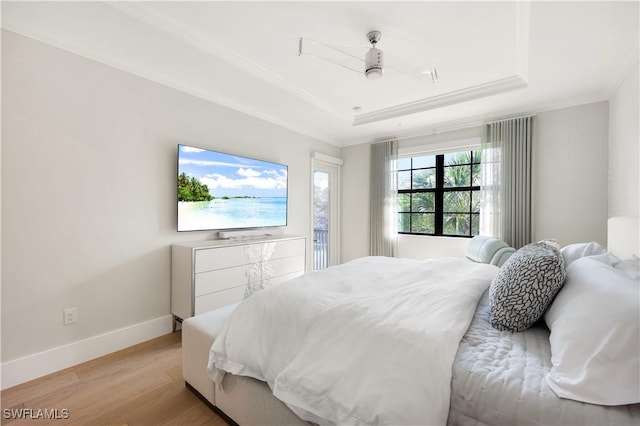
{"x": 505, "y": 206}
{"x": 383, "y": 234}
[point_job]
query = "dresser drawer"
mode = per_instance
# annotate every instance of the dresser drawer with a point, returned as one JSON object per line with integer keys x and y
{"x": 289, "y": 248}
{"x": 287, "y": 265}
{"x": 218, "y": 258}
{"x": 222, "y": 279}
{"x": 216, "y": 300}
{"x": 222, "y": 298}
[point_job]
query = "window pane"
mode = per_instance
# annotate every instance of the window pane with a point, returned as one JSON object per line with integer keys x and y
{"x": 456, "y": 224}
{"x": 424, "y": 202}
{"x": 459, "y": 212}
{"x": 404, "y": 180}
{"x": 404, "y": 163}
{"x": 424, "y": 178}
{"x": 404, "y": 202}
{"x": 404, "y": 222}
{"x": 476, "y": 175}
{"x": 423, "y": 223}
{"x": 456, "y": 201}
{"x": 475, "y": 201}
{"x": 424, "y": 161}
{"x": 457, "y": 176}
{"x": 475, "y": 224}
{"x": 455, "y": 158}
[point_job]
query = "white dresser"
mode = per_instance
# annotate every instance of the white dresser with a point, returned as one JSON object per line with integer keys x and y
{"x": 206, "y": 275}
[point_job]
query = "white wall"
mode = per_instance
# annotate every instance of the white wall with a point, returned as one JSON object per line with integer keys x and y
{"x": 569, "y": 185}
{"x": 624, "y": 147}
{"x": 428, "y": 247}
{"x": 89, "y": 190}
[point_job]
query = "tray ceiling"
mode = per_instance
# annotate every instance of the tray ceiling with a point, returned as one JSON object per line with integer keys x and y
{"x": 492, "y": 58}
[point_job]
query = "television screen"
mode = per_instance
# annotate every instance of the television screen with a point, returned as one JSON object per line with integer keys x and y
{"x": 224, "y": 191}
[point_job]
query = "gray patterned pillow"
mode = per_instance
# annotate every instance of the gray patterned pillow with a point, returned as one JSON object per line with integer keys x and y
{"x": 525, "y": 287}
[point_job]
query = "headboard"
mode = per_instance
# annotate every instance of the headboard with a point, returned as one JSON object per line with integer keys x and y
{"x": 623, "y": 236}
{"x": 489, "y": 250}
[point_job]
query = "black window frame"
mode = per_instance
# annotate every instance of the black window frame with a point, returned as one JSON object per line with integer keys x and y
{"x": 439, "y": 191}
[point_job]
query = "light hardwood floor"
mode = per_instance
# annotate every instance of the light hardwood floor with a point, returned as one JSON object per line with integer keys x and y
{"x": 140, "y": 385}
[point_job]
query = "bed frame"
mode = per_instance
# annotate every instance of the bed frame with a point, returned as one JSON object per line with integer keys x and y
{"x": 244, "y": 400}
{"x": 240, "y": 400}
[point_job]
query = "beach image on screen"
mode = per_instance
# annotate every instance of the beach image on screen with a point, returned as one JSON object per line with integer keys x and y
{"x": 223, "y": 191}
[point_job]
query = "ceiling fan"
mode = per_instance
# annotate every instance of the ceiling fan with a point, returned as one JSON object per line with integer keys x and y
{"x": 373, "y": 63}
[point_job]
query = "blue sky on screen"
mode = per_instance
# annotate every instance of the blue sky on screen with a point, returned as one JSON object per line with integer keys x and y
{"x": 232, "y": 175}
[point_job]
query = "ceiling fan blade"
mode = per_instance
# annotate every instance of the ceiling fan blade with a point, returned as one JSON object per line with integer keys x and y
{"x": 333, "y": 54}
{"x": 396, "y": 64}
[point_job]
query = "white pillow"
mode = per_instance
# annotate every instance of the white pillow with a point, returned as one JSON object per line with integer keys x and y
{"x": 595, "y": 335}
{"x": 576, "y": 251}
{"x": 630, "y": 267}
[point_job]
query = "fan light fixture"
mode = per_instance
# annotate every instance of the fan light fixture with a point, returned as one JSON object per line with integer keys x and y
{"x": 373, "y": 60}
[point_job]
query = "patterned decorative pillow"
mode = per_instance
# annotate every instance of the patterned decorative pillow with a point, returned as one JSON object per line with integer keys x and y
{"x": 525, "y": 287}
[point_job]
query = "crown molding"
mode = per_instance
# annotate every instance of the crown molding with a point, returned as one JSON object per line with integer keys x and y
{"x": 474, "y": 92}
{"x": 475, "y": 120}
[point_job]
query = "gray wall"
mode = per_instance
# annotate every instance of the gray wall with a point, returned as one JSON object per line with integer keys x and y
{"x": 570, "y": 174}
{"x": 89, "y": 190}
{"x": 354, "y": 202}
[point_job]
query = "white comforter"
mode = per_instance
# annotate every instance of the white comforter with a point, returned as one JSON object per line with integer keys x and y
{"x": 371, "y": 341}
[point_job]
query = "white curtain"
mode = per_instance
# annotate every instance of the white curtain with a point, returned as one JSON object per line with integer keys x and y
{"x": 505, "y": 206}
{"x": 383, "y": 210}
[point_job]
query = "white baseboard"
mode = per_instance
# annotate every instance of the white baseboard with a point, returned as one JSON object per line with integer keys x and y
{"x": 40, "y": 364}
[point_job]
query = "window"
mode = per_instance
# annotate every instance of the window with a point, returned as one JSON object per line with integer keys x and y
{"x": 439, "y": 194}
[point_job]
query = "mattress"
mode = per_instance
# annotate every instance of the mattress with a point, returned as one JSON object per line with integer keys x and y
{"x": 499, "y": 378}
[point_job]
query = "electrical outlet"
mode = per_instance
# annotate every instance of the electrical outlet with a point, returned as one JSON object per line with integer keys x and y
{"x": 70, "y": 316}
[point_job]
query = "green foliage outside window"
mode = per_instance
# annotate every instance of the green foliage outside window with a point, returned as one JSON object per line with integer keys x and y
{"x": 440, "y": 194}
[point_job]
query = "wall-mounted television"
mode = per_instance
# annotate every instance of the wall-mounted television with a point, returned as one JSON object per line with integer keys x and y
{"x": 219, "y": 191}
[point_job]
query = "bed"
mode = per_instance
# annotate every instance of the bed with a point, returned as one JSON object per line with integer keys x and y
{"x": 494, "y": 377}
